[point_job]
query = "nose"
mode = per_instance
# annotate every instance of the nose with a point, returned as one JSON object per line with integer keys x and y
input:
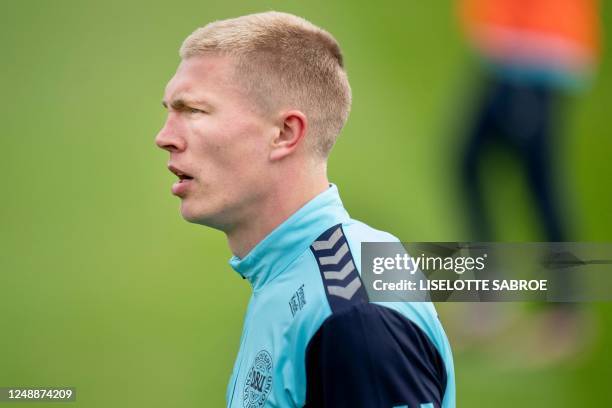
{"x": 169, "y": 138}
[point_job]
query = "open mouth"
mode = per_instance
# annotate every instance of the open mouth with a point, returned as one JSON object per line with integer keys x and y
{"x": 180, "y": 174}
{"x": 184, "y": 177}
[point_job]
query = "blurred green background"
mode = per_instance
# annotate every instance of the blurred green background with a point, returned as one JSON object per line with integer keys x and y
{"x": 105, "y": 288}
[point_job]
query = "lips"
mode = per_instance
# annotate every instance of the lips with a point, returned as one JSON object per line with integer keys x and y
{"x": 180, "y": 173}
{"x": 180, "y": 187}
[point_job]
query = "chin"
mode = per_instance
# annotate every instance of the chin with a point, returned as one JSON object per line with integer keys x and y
{"x": 198, "y": 217}
{"x": 192, "y": 216}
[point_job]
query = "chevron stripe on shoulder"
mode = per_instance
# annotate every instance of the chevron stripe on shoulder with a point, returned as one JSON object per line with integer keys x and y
{"x": 343, "y": 285}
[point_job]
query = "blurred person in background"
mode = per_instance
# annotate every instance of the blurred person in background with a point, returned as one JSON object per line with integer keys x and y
{"x": 533, "y": 53}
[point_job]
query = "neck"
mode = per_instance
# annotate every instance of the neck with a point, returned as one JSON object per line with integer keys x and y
{"x": 280, "y": 204}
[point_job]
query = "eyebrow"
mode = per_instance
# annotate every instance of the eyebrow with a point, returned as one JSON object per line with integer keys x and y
{"x": 180, "y": 103}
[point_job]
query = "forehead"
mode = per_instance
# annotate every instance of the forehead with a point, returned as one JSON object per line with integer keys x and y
{"x": 203, "y": 77}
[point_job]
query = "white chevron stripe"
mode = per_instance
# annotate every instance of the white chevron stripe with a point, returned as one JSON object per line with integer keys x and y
{"x": 345, "y": 292}
{"x": 334, "y": 259}
{"x": 343, "y": 273}
{"x": 329, "y": 243}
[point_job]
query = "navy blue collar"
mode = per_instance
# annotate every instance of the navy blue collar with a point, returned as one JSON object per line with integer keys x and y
{"x": 291, "y": 238}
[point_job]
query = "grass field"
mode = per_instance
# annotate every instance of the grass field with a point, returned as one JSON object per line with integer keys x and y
{"x": 105, "y": 288}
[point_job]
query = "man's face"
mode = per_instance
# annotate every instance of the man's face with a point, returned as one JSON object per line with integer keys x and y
{"x": 218, "y": 143}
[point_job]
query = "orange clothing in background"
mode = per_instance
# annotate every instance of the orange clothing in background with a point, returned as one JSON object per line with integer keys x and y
{"x": 560, "y": 35}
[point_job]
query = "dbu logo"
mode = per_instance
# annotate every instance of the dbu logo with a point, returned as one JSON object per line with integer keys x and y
{"x": 258, "y": 382}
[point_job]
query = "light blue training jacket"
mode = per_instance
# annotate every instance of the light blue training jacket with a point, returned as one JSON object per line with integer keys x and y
{"x": 311, "y": 336}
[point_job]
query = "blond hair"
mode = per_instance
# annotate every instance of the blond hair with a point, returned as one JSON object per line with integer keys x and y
{"x": 284, "y": 61}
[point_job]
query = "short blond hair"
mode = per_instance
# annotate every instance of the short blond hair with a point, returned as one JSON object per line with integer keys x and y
{"x": 284, "y": 61}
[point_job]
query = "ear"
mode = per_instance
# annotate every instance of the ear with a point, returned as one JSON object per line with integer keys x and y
{"x": 292, "y": 132}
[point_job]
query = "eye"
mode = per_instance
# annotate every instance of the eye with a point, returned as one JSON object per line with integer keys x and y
{"x": 195, "y": 111}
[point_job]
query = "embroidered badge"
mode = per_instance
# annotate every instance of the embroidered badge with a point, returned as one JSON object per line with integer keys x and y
{"x": 258, "y": 382}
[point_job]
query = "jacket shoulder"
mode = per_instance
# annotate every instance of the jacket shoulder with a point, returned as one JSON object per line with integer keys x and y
{"x": 359, "y": 231}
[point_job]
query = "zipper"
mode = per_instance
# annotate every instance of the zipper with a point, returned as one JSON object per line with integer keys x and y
{"x": 247, "y": 327}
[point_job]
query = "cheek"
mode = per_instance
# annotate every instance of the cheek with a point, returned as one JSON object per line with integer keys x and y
{"x": 231, "y": 149}
{"x": 254, "y": 148}
{"x": 207, "y": 147}
{"x": 244, "y": 141}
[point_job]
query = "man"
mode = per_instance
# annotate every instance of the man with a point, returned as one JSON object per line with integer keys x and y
{"x": 253, "y": 111}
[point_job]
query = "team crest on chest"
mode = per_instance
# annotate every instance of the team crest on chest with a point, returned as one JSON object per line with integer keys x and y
{"x": 258, "y": 382}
